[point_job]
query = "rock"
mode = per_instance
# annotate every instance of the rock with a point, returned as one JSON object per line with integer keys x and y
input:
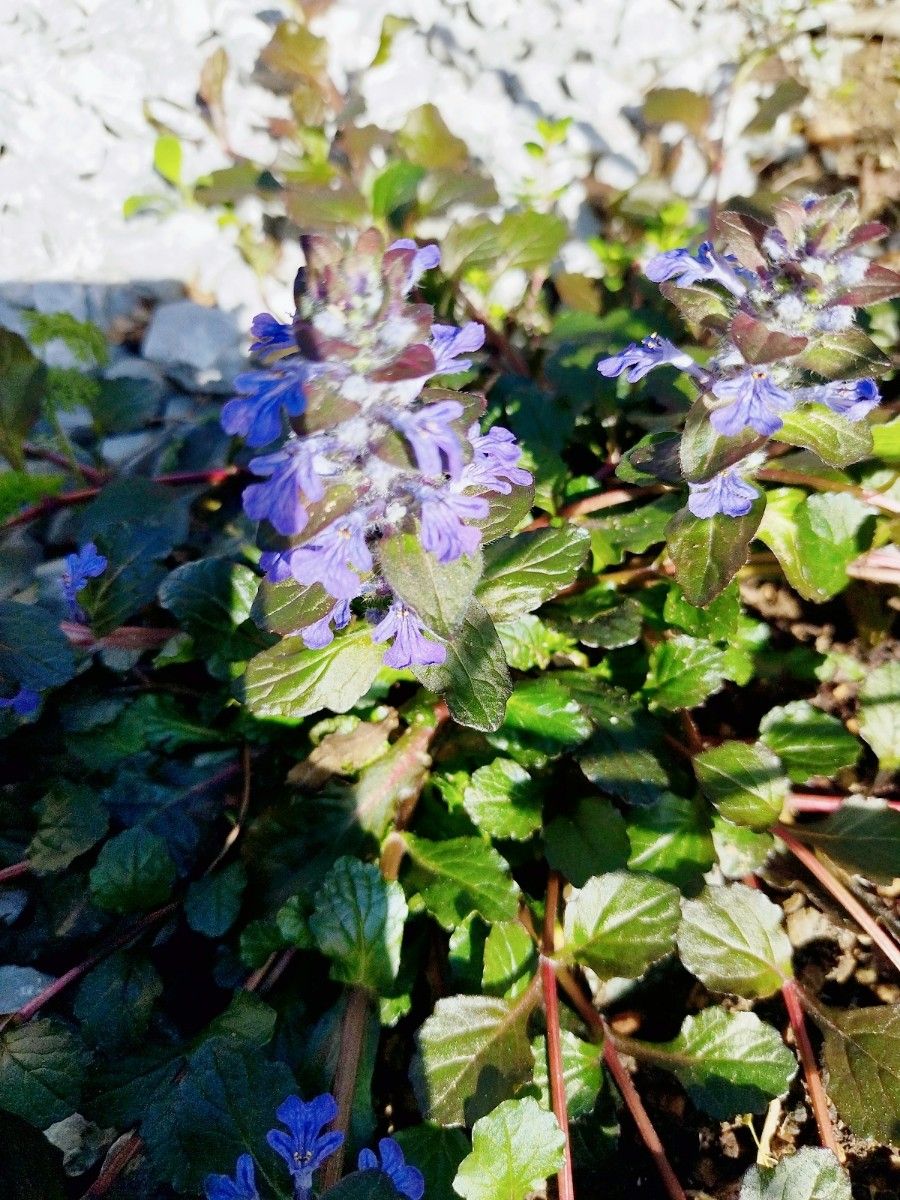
{"x": 197, "y": 347}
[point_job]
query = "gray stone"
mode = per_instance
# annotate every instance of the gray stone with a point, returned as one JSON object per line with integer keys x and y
{"x": 186, "y": 334}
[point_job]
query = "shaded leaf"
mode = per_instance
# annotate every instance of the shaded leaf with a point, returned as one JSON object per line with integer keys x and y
{"x": 358, "y": 923}
{"x": 521, "y": 572}
{"x": 41, "y": 1069}
{"x": 589, "y": 841}
{"x": 709, "y": 552}
{"x": 862, "y": 1057}
{"x": 458, "y": 876}
{"x": 808, "y": 741}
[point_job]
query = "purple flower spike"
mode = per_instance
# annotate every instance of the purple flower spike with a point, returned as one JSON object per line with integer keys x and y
{"x": 270, "y": 335}
{"x": 320, "y": 633}
{"x": 754, "y": 403}
{"x": 638, "y": 361}
{"x": 685, "y": 269}
{"x": 408, "y": 1180}
{"x": 24, "y": 703}
{"x": 725, "y": 493}
{"x": 291, "y": 477}
{"x": 448, "y": 345}
{"x": 329, "y": 556}
{"x": 852, "y": 398}
{"x": 430, "y": 432}
{"x": 411, "y": 647}
{"x": 255, "y": 414}
{"x": 425, "y": 259}
{"x": 87, "y": 564}
{"x": 493, "y": 465}
{"x": 305, "y": 1147}
{"x": 242, "y": 1187}
{"x": 444, "y": 532}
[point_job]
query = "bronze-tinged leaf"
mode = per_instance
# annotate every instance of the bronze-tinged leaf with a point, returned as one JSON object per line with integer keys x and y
{"x": 742, "y": 235}
{"x": 759, "y": 344}
{"x": 709, "y": 552}
{"x": 879, "y": 284}
{"x": 870, "y": 232}
{"x": 700, "y": 305}
{"x": 416, "y": 362}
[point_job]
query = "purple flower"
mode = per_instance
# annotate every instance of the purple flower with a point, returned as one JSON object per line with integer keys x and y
{"x": 87, "y": 564}
{"x": 682, "y": 267}
{"x": 424, "y": 259}
{"x": 328, "y": 557}
{"x": 242, "y": 1187}
{"x": 444, "y": 513}
{"x": 275, "y": 565}
{"x": 291, "y": 477}
{"x": 493, "y": 465}
{"x": 320, "y": 634}
{"x": 271, "y": 335}
{"x": 24, "y": 703}
{"x": 408, "y": 1180}
{"x": 754, "y": 402}
{"x": 448, "y": 343}
{"x": 430, "y": 432}
{"x": 411, "y": 647}
{"x": 255, "y": 414}
{"x": 305, "y": 1147}
{"x": 852, "y": 398}
{"x": 725, "y": 493}
{"x": 638, "y": 361}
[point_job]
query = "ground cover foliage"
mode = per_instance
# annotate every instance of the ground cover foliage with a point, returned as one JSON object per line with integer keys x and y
{"x": 557, "y": 837}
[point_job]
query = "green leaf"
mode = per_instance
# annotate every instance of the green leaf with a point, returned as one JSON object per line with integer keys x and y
{"x": 291, "y": 681}
{"x": 684, "y": 671}
{"x": 514, "y": 1149}
{"x": 458, "y": 876}
{"x": 22, "y": 382}
{"x": 832, "y": 437}
{"x": 473, "y": 1052}
{"x": 358, "y": 923}
{"x": 739, "y": 851}
{"x": 34, "y": 652}
{"x": 440, "y": 593}
{"x": 521, "y": 572}
{"x": 745, "y": 783}
{"x": 842, "y": 356}
{"x": 504, "y": 801}
{"x": 671, "y": 840}
{"x": 862, "y": 1057}
{"x": 167, "y": 158}
{"x": 246, "y": 1018}
{"x": 699, "y": 305}
{"x": 814, "y": 539}
{"x": 510, "y": 960}
{"x": 718, "y": 621}
{"x": 728, "y": 1062}
{"x": 210, "y": 598}
{"x": 115, "y": 1001}
{"x": 286, "y": 607}
{"x": 71, "y": 821}
{"x": 525, "y": 240}
{"x": 528, "y": 642}
{"x": 18, "y": 489}
{"x": 475, "y": 678}
{"x": 213, "y": 902}
{"x": 589, "y": 841}
{"x": 542, "y": 721}
{"x": 394, "y": 190}
{"x": 363, "y": 1185}
{"x": 704, "y": 452}
{"x": 134, "y": 872}
{"x": 654, "y": 457}
{"x": 41, "y": 1069}
{"x": 709, "y": 552}
{"x": 621, "y": 757}
{"x": 221, "y": 1108}
{"x": 437, "y": 1153}
{"x": 863, "y": 835}
{"x": 879, "y": 714}
{"x": 810, "y": 1174}
{"x": 620, "y": 923}
{"x": 732, "y": 939}
{"x": 808, "y": 741}
{"x": 582, "y": 1073}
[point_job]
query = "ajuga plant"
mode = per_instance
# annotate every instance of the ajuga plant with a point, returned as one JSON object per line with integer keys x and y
{"x": 788, "y": 366}
{"x": 513, "y": 775}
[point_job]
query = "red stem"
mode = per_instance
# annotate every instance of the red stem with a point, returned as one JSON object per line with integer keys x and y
{"x": 353, "y": 1028}
{"x": 27, "y": 1011}
{"x": 14, "y": 871}
{"x": 814, "y": 1085}
{"x": 91, "y": 474}
{"x": 555, "y": 1070}
{"x": 861, "y": 915}
{"x": 811, "y": 802}
{"x": 644, "y": 1125}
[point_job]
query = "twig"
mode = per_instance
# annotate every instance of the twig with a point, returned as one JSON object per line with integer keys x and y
{"x": 821, "y": 484}
{"x": 235, "y": 832}
{"x": 497, "y": 338}
{"x": 353, "y": 1028}
{"x": 111, "y": 1171}
{"x": 555, "y": 1070}
{"x": 861, "y": 915}
{"x": 15, "y": 871}
{"x": 589, "y": 504}
{"x": 642, "y": 1121}
{"x": 90, "y": 474}
{"x": 817, "y": 1098}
